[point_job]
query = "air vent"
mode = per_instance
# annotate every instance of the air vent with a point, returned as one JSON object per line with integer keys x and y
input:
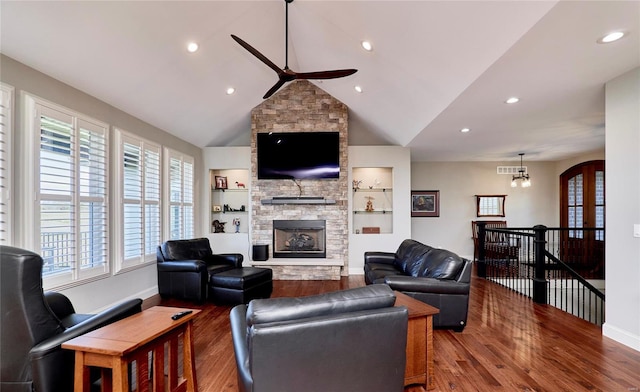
{"x": 510, "y": 170}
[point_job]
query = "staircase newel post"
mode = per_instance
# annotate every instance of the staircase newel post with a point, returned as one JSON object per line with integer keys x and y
{"x": 481, "y": 269}
{"x": 539, "y": 280}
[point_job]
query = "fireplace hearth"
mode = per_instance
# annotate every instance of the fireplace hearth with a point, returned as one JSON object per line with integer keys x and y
{"x": 299, "y": 239}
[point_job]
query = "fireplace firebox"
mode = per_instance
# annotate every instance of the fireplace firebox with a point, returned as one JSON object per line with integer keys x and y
{"x": 299, "y": 239}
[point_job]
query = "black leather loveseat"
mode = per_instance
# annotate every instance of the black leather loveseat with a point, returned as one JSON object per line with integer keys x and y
{"x": 434, "y": 276}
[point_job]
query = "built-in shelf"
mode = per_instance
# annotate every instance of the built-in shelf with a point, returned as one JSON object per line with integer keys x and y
{"x": 372, "y": 189}
{"x": 229, "y": 206}
{"x": 372, "y": 200}
{"x": 297, "y": 200}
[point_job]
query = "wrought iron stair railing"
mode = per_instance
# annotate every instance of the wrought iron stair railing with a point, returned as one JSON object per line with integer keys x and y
{"x": 562, "y": 267}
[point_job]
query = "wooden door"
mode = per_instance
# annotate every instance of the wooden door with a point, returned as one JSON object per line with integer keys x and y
{"x": 582, "y": 209}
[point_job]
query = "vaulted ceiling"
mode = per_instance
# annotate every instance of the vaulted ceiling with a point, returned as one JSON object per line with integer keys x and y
{"x": 436, "y": 66}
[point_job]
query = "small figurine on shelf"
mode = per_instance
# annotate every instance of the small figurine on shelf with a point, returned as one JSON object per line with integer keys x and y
{"x": 218, "y": 227}
{"x": 356, "y": 184}
{"x": 236, "y": 223}
{"x": 240, "y": 185}
{"x": 369, "y": 207}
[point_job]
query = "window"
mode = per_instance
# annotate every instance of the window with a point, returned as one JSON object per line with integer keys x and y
{"x": 138, "y": 216}
{"x": 6, "y": 131}
{"x": 70, "y": 215}
{"x": 180, "y": 180}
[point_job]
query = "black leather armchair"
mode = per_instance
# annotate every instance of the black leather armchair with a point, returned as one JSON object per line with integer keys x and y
{"x": 351, "y": 340}
{"x": 184, "y": 268}
{"x": 32, "y": 329}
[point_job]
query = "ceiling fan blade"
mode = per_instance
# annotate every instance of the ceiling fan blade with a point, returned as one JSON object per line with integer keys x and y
{"x": 275, "y": 88}
{"x": 259, "y": 55}
{"x": 338, "y": 73}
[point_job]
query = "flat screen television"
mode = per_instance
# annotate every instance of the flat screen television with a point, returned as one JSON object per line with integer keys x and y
{"x": 298, "y": 155}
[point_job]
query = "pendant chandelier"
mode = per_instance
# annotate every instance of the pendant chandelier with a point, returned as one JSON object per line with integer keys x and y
{"x": 521, "y": 176}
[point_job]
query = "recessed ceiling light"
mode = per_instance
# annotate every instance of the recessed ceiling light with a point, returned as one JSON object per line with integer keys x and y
{"x": 358, "y": 89}
{"x": 616, "y": 35}
{"x": 192, "y": 47}
{"x": 366, "y": 45}
{"x": 512, "y": 100}
{"x": 231, "y": 90}
{"x": 465, "y": 130}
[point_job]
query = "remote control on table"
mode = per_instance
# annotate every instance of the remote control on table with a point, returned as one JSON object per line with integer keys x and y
{"x": 181, "y": 314}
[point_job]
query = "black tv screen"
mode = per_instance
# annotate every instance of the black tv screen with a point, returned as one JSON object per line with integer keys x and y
{"x": 298, "y": 155}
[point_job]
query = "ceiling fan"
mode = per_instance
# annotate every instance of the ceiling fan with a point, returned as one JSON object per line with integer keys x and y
{"x": 285, "y": 74}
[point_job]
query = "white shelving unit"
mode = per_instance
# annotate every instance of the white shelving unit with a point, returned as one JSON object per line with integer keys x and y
{"x": 372, "y": 197}
{"x": 232, "y": 163}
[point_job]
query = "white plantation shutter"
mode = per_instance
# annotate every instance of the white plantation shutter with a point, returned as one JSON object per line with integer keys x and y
{"x": 6, "y": 131}
{"x": 140, "y": 174}
{"x": 71, "y": 195}
{"x": 180, "y": 172}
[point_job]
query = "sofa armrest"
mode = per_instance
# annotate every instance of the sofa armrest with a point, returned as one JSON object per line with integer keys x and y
{"x": 107, "y": 316}
{"x": 379, "y": 257}
{"x": 426, "y": 285}
{"x": 238, "y": 317}
{"x": 47, "y": 356}
{"x": 235, "y": 259}
{"x": 182, "y": 266}
{"x": 59, "y": 304}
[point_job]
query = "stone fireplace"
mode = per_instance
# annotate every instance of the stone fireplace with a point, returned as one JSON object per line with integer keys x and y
{"x": 299, "y": 239}
{"x": 301, "y": 107}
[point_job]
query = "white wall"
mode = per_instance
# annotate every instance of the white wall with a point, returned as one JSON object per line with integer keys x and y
{"x": 459, "y": 182}
{"x": 138, "y": 283}
{"x": 622, "y": 172}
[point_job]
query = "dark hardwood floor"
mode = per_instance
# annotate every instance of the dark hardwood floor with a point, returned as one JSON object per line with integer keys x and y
{"x": 509, "y": 344}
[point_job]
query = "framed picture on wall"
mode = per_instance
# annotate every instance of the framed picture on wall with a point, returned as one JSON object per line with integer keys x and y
{"x": 425, "y": 203}
{"x": 221, "y": 182}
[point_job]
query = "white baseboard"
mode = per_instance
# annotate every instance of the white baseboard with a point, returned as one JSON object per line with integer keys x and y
{"x": 621, "y": 336}
{"x": 356, "y": 271}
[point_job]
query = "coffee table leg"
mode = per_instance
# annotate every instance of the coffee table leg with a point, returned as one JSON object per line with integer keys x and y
{"x": 189, "y": 359}
{"x": 430, "y": 353}
{"x": 81, "y": 377}
{"x": 120, "y": 375}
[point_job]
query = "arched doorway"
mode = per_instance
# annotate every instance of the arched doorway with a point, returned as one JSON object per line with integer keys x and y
{"x": 582, "y": 207}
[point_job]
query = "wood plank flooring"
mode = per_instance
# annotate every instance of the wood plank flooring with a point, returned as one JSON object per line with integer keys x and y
{"x": 509, "y": 344}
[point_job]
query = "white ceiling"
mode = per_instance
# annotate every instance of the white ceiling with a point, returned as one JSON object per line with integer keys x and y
{"x": 436, "y": 67}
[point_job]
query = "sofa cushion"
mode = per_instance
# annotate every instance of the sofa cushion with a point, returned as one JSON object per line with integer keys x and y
{"x": 194, "y": 249}
{"x": 441, "y": 264}
{"x": 410, "y": 257}
{"x": 284, "y": 309}
{"x": 376, "y": 272}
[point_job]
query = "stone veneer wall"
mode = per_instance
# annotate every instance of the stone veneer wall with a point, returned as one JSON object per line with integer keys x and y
{"x": 302, "y": 107}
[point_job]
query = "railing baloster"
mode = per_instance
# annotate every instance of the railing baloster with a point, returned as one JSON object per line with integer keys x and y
{"x": 530, "y": 261}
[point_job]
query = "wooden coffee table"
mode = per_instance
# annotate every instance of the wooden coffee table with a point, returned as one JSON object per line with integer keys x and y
{"x": 420, "y": 353}
{"x": 115, "y": 346}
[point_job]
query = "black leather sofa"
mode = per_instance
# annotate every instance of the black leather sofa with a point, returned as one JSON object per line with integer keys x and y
{"x": 34, "y": 325}
{"x": 351, "y": 340}
{"x": 185, "y": 266}
{"x": 434, "y": 276}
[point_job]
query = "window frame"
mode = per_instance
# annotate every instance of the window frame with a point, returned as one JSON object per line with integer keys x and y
{"x": 6, "y": 185}
{"x": 169, "y": 155}
{"x": 77, "y": 274}
{"x": 123, "y": 264}
{"x": 490, "y": 205}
